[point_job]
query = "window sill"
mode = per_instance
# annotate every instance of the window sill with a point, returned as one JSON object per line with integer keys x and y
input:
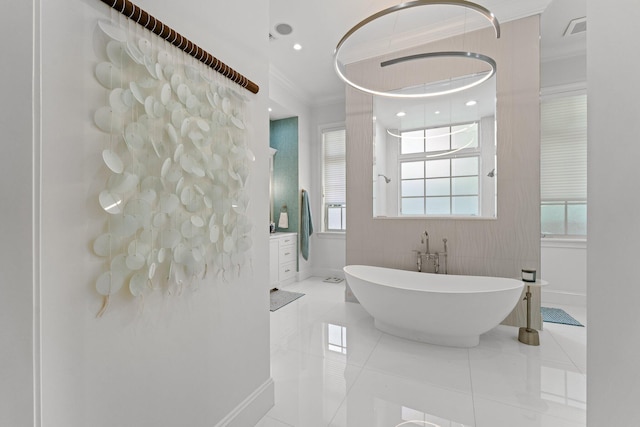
{"x": 438, "y": 217}
{"x": 560, "y": 242}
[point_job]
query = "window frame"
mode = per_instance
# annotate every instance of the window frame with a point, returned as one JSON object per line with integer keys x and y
{"x": 425, "y": 156}
{"x": 551, "y": 94}
{"x": 326, "y": 206}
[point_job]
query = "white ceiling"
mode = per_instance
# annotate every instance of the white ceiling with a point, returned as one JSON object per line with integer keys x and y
{"x": 319, "y": 25}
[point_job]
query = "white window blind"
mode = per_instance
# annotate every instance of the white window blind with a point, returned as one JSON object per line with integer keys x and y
{"x": 563, "y": 156}
{"x": 334, "y": 171}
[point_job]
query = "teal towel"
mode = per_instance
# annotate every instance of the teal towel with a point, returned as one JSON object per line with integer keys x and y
{"x": 306, "y": 228}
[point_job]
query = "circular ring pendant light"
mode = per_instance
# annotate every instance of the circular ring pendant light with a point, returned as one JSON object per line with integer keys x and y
{"x": 449, "y": 54}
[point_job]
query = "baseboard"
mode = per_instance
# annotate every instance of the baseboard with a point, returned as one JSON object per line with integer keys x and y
{"x": 253, "y": 408}
{"x": 328, "y": 272}
{"x": 304, "y": 275}
{"x": 564, "y": 298}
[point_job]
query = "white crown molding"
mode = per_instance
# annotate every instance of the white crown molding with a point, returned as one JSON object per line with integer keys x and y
{"x": 277, "y": 78}
{"x": 559, "y": 54}
{"x": 551, "y": 92}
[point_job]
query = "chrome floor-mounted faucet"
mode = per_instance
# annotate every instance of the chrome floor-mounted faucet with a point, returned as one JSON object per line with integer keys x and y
{"x": 424, "y": 239}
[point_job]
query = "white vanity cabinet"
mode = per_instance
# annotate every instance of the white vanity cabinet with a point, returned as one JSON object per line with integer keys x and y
{"x": 283, "y": 250}
{"x": 273, "y": 262}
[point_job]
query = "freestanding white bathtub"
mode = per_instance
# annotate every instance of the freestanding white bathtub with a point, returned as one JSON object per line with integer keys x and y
{"x": 434, "y": 308}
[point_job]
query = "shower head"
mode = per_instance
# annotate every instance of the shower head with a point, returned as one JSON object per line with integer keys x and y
{"x": 388, "y": 180}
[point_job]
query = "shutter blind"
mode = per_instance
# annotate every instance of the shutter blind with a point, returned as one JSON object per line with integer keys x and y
{"x": 563, "y": 156}
{"x": 334, "y": 166}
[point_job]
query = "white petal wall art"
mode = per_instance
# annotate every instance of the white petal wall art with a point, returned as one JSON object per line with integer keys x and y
{"x": 176, "y": 161}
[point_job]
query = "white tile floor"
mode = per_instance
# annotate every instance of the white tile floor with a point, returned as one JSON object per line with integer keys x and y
{"x": 331, "y": 367}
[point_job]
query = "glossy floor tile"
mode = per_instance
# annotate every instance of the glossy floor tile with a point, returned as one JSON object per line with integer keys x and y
{"x": 332, "y": 367}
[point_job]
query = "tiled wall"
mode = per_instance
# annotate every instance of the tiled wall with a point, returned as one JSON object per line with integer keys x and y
{"x": 487, "y": 247}
{"x": 284, "y": 138}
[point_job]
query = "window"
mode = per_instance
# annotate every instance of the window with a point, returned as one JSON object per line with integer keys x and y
{"x": 334, "y": 179}
{"x": 563, "y": 166}
{"x": 439, "y": 171}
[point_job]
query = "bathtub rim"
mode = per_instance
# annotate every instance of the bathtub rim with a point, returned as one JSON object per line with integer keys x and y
{"x": 520, "y": 284}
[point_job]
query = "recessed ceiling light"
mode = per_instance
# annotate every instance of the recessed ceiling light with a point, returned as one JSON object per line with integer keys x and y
{"x": 437, "y": 112}
{"x": 297, "y": 46}
{"x": 471, "y": 103}
{"x": 284, "y": 29}
{"x": 270, "y": 109}
{"x": 401, "y": 114}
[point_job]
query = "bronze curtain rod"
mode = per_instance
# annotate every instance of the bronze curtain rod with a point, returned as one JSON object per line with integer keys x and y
{"x": 152, "y": 24}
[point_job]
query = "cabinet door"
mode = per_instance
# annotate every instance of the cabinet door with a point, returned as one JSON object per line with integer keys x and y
{"x": 287, "y": 271}
{"x": 273, "y": 262}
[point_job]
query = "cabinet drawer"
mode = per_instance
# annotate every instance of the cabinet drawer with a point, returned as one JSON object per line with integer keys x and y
{"x": 287, "y": 271}
{"x": 287, "y": 254}
{"x": 284, "y": 241}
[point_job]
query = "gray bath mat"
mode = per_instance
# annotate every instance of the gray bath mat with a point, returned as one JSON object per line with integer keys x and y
{"x": 281, "y": 298}
{"x": 558, "y": 315}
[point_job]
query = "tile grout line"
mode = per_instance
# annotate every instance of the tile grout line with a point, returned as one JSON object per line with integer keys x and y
{"x": 354, "y": 382}
{"x": 279, "y": 421}
{"x": 573, "y": 362}
{"x": 523, "y": 408}
{"x": 309, "y": 326}
{"x": 346, "y": 396}
{"x": 473, "y": 394}
{"x": 433, "y": 384}
{"x": 533, "y": 410}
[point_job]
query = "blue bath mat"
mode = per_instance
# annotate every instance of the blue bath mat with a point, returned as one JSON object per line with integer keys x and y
{"x": 558, "y": 315}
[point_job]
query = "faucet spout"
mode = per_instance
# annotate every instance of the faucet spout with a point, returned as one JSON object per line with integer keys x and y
{"x": 425, "y": 240}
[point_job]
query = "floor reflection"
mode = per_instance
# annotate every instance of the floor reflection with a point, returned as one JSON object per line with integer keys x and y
{"x": 373, "y": 379}
{"x": 337, "y": 338}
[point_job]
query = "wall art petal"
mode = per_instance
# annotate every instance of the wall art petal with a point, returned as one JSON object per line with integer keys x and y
{"x": 177, "y": 162}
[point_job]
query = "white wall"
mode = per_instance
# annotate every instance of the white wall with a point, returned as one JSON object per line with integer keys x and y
{"x": 18, "y": 245}
{"x": 327, "y": 249}
{"x": 393, "y": 171}
{"x": 286, "y": 96}
{"x": 613, "y": 348}
{"x": 563, "y": 263}
{"x": 380, "y": 187}
{"x": 192, "y": 359}
{"x": 560, "y": 72}
{"x": 489, "y": 247}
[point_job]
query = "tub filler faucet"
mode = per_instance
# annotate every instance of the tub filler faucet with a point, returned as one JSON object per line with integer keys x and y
{"x": 444, "y": 241}
{"x": 428, "y": 256}
{"x": 425, "y": 240}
